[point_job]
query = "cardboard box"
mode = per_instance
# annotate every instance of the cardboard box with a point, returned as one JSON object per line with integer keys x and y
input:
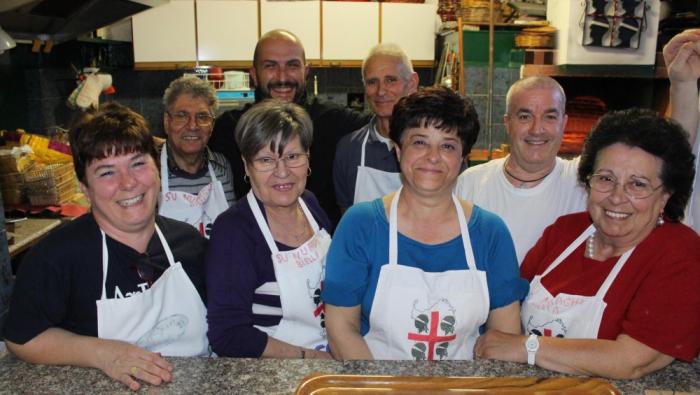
{"x": 567, "y": 16}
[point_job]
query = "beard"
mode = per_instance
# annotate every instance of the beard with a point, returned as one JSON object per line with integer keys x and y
{"x": 264, "y": 93}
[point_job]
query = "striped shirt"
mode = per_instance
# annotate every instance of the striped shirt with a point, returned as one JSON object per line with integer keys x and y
{"x": 182, "y": 181}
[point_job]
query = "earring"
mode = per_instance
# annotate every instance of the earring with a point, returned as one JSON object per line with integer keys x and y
{"x": 660, "y": 221}
{"x": 245, "y": 178}
{"x": 308, "y": 173}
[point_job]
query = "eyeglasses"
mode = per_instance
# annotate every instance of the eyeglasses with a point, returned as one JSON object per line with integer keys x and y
{"x": 291, "y": 160}
{"x": 182, "y": 118}
{"x": 636, "y": 188}
{"x": 146, "y": 270}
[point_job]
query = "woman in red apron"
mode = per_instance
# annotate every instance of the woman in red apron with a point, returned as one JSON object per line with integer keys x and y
{"x": 268, "y": 253}
{"x": 118, "y": 288}
{"x": 418, "y": 273}
{"x": 615, "y": 291}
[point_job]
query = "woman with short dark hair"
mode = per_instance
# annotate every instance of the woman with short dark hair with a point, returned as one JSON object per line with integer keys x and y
{"x": 120, "y": 287}
{"x": 417, "y": 273}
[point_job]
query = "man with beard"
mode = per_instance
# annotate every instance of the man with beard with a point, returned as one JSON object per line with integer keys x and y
{"x": 279, "y": 71}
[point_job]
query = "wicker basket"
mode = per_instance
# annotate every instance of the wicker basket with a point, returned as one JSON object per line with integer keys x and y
{"x": 14, "y": 164}
{"x": 59, "y": 194}
{"x": 49, "y": 172}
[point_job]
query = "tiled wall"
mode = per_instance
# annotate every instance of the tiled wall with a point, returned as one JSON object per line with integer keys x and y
{"x": 476, "y": 87}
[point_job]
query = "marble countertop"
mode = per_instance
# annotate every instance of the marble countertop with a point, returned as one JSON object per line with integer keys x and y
{"x": 268, "y": 376}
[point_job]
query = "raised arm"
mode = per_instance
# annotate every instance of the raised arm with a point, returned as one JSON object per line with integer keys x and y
{"x": 343, "y": 324}
{"x": 121, "y": 361}
{"x": 682, "y": 57}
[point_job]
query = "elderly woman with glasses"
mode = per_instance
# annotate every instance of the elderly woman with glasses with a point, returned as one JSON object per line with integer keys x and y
{"x": 267, "y": 254}
{"x": 196, "y": 183}
{"x": 120, "y": 287}
{"x": 615, "y": 291}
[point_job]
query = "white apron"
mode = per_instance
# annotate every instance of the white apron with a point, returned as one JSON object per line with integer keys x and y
{"x": 372, "y": 183}
{"x": 566, "y": 315}
{"x": 299, "y": 275}
{"x": 168, "y": 318}
{"x": 427, "y": 316}
{"x": 198, "y": 210}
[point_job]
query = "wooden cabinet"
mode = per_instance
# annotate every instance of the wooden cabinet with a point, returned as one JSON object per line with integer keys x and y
{"x": 227, "y": 30}
{"x": 350, "y": 30}
{"x": 303, "y": 18}
{"x": 165, "y": 33}
{"x": 224, "y": 32}
{"x": 412, "y": 27}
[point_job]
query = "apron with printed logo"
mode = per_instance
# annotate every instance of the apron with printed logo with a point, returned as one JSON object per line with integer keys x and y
{"x": 427, "y": 316}
{"x": 198, "y": 210}
{"x": 168, "y": 318}
{"x": 566, "y": 315}
{"x": 372, "y": 183}
{"x": 299, "y": 273}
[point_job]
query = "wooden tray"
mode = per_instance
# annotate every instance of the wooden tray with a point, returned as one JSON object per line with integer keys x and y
{"x": 324, "y": 384}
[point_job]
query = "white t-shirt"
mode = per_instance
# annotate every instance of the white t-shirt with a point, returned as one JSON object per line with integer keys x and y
{"x": 526, "y": 211}
{"x": 692, "y": 212}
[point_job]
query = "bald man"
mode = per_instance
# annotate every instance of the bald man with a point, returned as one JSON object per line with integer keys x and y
{"x": 531, "y": 187}
{"x": 279, "y": 71}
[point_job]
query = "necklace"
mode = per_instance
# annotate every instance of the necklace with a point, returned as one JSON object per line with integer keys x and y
{"x": 590, "y": 245}
{"x": 523, "y": 182}
{"x": 298, "y": 236}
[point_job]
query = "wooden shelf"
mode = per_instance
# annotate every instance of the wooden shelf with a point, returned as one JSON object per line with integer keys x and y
{"x": 603, "y": 71}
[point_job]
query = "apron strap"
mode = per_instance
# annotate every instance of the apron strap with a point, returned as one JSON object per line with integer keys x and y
{"x": 582, "y": 238}
{"x": 166, "y": 247}
{"x": 105, "y": 257}
{"x": 212, "y": 175}
{"x": 309, "y": 217}
{"x": 464, "y": 230}
{"x": 603, "y": 290}
{"x": 164, "y": 188}
{"x": 364, "y": 143}
{"x": 105, "y": 265}
{"x": 394, "y": 228}
{"x": 262, "y": 224}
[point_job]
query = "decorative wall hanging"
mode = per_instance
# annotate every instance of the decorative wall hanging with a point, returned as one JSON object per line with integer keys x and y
{"x": 614, "y": 23}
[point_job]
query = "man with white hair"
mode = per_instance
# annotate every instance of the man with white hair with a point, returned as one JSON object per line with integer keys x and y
{"x": 365, "y": 165}
{"x": 531, "y": 187}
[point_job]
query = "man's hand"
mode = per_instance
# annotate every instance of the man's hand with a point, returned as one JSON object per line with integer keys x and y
{"x": 682, "y": 56}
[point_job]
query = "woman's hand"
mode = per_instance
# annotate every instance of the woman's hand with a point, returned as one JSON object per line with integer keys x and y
{"x": 121, "y": 361}
{"x": 126, "y": 363}
{"x": 495, "y": 344}
{"x": 314, "y": 354}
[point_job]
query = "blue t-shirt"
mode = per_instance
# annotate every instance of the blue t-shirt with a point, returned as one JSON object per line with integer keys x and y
{"x": 360, "y": 248}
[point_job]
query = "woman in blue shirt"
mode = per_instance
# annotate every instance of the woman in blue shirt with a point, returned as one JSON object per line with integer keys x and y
{"x": 417, "y": 273}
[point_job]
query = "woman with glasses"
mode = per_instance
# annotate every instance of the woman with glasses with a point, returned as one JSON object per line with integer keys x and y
{"x": 196, "y": 183}
{"x": 615, "y": 291}
{"x": 267, "y": 253}
{"x": 118, "y": 288}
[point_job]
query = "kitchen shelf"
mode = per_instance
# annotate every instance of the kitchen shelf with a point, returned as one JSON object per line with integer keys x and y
{"x": 603, "y": 71}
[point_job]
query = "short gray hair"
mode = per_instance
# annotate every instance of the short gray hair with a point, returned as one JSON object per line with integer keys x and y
{"x": 535, "y": 82}
{"x": 393, "y": 51}
{"x": 193, "y": 86}
{"x": 262, "y": 123}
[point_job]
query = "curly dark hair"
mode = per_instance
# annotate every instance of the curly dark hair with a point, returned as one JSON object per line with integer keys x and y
{"x": 114, "y": 129}
{"x": 439, "y": 107}
{"x": 661, "y": 137}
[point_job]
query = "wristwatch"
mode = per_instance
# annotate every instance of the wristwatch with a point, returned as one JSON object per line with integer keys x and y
{"x": 532, "y": 344}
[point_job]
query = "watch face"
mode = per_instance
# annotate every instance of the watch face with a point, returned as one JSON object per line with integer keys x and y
{"x": 532, "y": 344}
